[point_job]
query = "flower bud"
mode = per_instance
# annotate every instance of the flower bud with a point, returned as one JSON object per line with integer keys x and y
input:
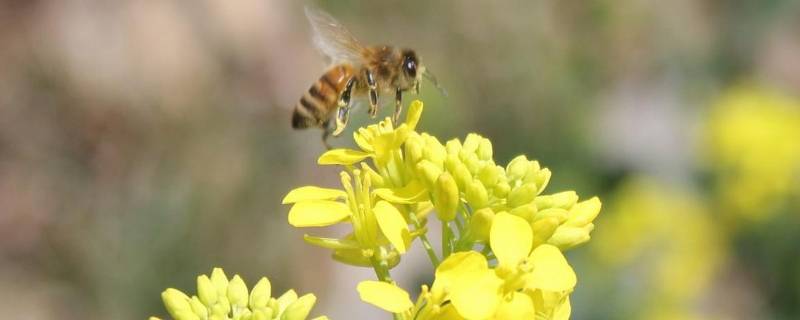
{"x": 526, "y": 211}
{"x": 198, "y": 308}
{"x": 220, "y": 281}
{"x": 517, "y": 168}
{"x": 259, "y": 296}
{"x": 542, "y": 179}
{"x": 523, "y": 194}
{"x": 453, "y": 147}
{"x": 176, "y": 302}
{"x": 481, "y": 223}
{"x": 476, "y": 195}
{"x": 485, "y": 150}
{"x": 502, "y": 189}
{"x": 564, "y": 200}
{"x": 567, "y": 237}
{"x": 472, "y": 162}
{"x": 300, "y": 308}
{"x": 543, "y": 229}
{"x": 206, "y": 290}
{"x": 237, "y": 292}
{"x": 489, "y": 175}
{"x": 559, "y": 214}
{"x": 429, "y": 172}
{"x": 446, "y": 197}
{"x": 434, "y": 151}
{"x": 584, "y": 212}
{"x": 471, "y": 143}
{"x": 413, "y": 149}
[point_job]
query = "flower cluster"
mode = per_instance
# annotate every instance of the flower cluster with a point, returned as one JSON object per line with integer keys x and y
{"x": 502, "y": 238}
{"x": 220, "y": 298}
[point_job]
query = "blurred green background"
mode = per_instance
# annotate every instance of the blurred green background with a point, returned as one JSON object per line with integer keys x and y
{"x": 144, "y": 142}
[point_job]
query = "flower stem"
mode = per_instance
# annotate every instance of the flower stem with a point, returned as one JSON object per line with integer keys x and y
{"x": 446, "y": 243}
{"x": 422, "y": 237}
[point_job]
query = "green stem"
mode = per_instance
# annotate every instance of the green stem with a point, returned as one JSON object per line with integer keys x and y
{"x": 447, "y": 246}
{"x": 422, "y": 237}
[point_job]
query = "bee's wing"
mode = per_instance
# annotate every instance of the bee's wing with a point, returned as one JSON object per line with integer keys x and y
{"x": 332, "y": 38}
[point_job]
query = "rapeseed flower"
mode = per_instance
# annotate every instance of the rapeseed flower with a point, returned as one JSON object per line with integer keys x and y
{"x": 220, "y": 298}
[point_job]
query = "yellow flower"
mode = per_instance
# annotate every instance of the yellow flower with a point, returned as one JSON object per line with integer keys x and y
{"x": 751, "y": 143}
{"x": 380, "y": 231}
{"x": 221, "y": 298}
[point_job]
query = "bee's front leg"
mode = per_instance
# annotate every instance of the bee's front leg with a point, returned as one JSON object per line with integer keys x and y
{"x": 373, "y": 92}
{"x": 343, "y": 108}
{"x": 398, "y": 106}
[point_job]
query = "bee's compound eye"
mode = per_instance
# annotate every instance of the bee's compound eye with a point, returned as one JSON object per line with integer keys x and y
{"x": 411, "y": 67}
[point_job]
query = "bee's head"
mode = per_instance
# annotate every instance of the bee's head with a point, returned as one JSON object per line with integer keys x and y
{"x": 411, "y": 67}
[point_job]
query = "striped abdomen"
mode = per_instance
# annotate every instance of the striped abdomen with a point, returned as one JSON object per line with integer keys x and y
{"x": 319, "y": 102}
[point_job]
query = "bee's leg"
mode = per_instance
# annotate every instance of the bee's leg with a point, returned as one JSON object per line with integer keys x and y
{"x": 416, "y": 87}
{"x": 398, "y": 106}
{"x": 326, "y": 132}
{"x": 343, "y": 109}
{"x": 373, "y": 93}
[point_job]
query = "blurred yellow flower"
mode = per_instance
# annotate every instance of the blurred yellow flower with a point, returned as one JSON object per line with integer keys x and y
{"x": 220, "y": 298}
{"x": 665, "y": 241}
{"x": 752, "y": 144}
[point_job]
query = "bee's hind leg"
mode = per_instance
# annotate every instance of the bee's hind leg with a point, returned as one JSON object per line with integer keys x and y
{"x": 373, "y": 93}
{"x": 398, "y": 106}
{"x": 343, "y": 109}
{"x": 326, "y": 133}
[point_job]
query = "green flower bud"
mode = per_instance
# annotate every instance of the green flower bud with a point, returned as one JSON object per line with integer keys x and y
{"x": 476, "y": 195}
{"x": 198, "y": 307}
{"x": 262, "y": 314}
{"x": 502, "y": 189}
{"x": 220, "y": 281}
{"x": 564, "y": 200}
{"x": 559, "y": 214}
{"x": 583, "y": 213}
{"x": 481, "y": 223}
{"x": 446, "y": 197}
{"x": 526, "y": 211}
{"x": 543, "y": 229}
{"x": 568, "y": 237}
{"x": 453, "y": 147}
{"x": 523, "y": 194}
{"x": 429, "y": 172}
{"x": 517, "y": 168}
{"x": 222, "y": 307}
{"x": 259, "y": 296}
{"x": 472, "y": 162}
{"x": 485, "y": 150}
{"x": 489, "y": 175}
{"x": 542, "y": 179}
{"x": 471, "y": 143}
{"x": 300, "y": 308}
{"x": 459, "y": 171}
{"x": 176, "y": 302}
{"x": 413, "y": 149}
{"x": 206, "y": 290}
{"x": 237, "y": 292}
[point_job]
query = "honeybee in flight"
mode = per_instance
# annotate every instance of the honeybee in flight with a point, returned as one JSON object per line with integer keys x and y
{"x": 356, "y": 71}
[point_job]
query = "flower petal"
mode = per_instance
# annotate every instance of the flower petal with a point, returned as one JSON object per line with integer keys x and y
{"x": 312, "y": 193}
{"x": 413, "y": 114}
{"x": 511, "y": 238}
{"x": 318, "y": 213}
{"x": 478, "y": 298}
{"x": 519, "y": 306}
{"x": 412, "y": 193}
{"x": 342, "y": 157}
{"x": 393, "y": 225}
{"x": 460, "y": 267}
{"x": 551, "y": 272}
{"x": 384, "y": 295}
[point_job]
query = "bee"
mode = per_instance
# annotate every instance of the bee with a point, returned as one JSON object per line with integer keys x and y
{"x": 355, "y": 72}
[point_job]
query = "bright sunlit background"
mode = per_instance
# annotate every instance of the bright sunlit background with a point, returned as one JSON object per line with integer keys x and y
{"x": 145, "y": 142}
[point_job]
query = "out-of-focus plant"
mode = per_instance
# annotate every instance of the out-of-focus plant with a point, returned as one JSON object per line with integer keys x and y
{"x": 501, "y": 252}
{"x": 753, "y": 148}
{"x": 662, "y": 241}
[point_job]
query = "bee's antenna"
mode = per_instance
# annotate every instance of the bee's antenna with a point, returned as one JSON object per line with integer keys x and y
{"x": 428, "y": 75}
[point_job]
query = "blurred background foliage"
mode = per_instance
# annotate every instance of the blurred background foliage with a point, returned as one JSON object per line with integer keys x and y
{"x": 144, "y": 142}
